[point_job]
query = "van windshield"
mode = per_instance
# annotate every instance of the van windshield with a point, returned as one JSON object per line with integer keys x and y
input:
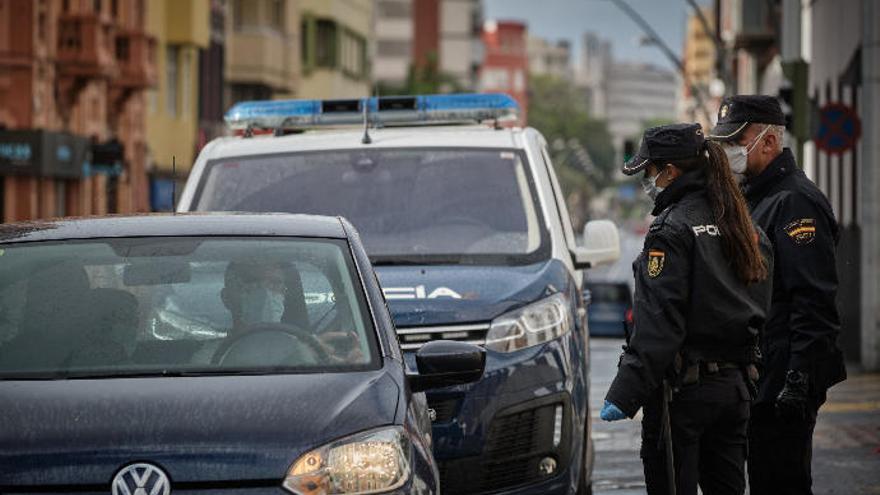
{"x": 413, "y": 205}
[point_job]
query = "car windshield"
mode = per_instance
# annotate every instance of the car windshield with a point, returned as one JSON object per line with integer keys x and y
{"x": 418, "y": 205}
{"x": 181, "y": 305}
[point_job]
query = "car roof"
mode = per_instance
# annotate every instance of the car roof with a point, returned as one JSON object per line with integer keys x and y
{"x": 434, "y": 136}
{"x": 174, "y": 225}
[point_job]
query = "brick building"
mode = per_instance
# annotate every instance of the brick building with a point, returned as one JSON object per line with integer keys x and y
{"x": 506, "y": 63}
{"x": 72, "y": 81}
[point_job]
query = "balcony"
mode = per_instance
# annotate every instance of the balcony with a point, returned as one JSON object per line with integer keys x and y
{"x": 136, "y": 61}
{"x": 85, "y": 47}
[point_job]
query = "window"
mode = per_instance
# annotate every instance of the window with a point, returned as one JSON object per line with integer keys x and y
{"x": 325, "y": 44}
{"x": 277, "y": 12}
{"x": 352, "y": 54}
{"x": 186, "y": 83}
{"x": 171, "y": 56}
{"x": 147, "y": 306}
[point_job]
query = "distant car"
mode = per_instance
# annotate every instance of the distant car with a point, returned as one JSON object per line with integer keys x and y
{"x": 610, "y": 307}
{"x": 216, "y": 353}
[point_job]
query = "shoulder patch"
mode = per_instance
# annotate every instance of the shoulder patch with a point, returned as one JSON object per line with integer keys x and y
{"x": 801, "y": 231}
{"x": 656, "y": 260}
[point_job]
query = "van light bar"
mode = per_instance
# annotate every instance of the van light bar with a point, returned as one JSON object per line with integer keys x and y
{"x": 299, "y": 114}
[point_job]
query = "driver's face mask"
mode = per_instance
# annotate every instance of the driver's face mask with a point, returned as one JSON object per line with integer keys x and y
{"x": 261, "y": 305}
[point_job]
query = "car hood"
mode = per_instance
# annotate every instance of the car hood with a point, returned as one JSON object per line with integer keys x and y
{"x": 198, "y": 429}
{"x": 452, "y": 294}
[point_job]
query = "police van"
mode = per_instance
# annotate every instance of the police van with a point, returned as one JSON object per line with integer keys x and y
{"x": 465, "y": 222}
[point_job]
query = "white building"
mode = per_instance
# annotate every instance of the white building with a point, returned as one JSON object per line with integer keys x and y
{"x": 394, "y": 41}
{"x": 592, "y": 72}
{"x": 549, "y": 59}
{"x": 636, "y": 94}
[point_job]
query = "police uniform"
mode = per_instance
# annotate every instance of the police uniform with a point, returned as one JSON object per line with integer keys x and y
{"x": 800, "y": 338}
{"x": 695, "y": 324}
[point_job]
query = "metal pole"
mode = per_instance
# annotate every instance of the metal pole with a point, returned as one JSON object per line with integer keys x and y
{"x": 655, "y": 38}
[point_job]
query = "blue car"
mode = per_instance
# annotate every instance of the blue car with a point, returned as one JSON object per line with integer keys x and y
{"x": 208, "y": 354}
{"x": 468, "y": 230}
{"x": 610, "y": 307}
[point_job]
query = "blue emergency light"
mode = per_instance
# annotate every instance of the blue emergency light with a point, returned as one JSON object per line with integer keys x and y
{"x": 423, "y": 109}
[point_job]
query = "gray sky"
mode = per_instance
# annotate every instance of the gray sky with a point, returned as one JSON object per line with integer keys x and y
{"x": 568, "y": 19}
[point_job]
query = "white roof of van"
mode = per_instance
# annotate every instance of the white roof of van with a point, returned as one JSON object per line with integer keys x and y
{"x": 468, "y": 136}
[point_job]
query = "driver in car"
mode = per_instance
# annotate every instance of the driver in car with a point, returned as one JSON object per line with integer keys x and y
{"x": 259, "y": 295}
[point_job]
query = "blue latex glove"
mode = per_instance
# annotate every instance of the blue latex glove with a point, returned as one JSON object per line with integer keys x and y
{"x": 610, "y": 412}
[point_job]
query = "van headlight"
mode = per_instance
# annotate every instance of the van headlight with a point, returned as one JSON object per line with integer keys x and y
{"x": 370, "y": 462}
{"x": 531, "y": 325}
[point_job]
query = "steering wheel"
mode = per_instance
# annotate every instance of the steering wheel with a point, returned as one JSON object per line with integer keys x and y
{"x": 254, "y": 331}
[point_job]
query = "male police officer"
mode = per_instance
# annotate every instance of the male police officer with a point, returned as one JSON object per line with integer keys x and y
{"x": 801, "y": 357}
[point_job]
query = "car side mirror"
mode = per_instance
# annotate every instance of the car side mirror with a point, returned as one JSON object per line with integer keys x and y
{"x": 442, "y": 363}
{"x": 601, "y": 245}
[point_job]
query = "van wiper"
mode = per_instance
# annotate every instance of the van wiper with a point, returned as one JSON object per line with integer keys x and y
{"x": 428, "y": 259}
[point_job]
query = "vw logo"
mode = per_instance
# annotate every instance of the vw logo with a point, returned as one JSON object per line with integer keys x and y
{"x": 140, "y": 479}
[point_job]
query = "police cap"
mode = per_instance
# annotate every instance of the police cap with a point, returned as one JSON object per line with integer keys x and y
{"x": 666, "y": 143}
{"x": 737, "y": 112}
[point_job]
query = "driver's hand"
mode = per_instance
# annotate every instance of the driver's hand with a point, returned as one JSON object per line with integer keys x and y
{"x": 343, "y": 347}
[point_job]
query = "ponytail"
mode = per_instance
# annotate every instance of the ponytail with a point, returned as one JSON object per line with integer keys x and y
{"x": 739, "y": 239}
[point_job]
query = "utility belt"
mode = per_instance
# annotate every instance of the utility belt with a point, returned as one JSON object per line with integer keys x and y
{"x": 692, "y": 363}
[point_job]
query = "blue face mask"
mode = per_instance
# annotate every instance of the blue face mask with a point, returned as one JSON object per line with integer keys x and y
{"x": 649, "y": 185}
{"x": 261, "y": 305}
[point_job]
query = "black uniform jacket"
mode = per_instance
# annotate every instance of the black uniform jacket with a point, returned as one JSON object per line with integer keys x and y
{"x": 687, "y": 295}
{"x": 803, "y": 324}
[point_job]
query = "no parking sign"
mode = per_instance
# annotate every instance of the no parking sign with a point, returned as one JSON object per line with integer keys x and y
{"x": 839, "y": 128}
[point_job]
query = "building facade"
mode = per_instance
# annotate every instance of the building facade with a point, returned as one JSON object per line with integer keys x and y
{"x": 592, "y": 72}
{"x": 550, "y": 59}
{"x": 336, "y": 36}
{"x": 262, "y": 56}
{"x": 699, "y": 60}
{"x": 72, "y": 81}
{"x": 506, "y": 63}
{"x": 394, "y": 42}
{"x": 183, "y": 32}
{"x": 637, "y": 95}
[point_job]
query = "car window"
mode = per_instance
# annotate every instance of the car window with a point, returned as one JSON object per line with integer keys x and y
{"x": 116, "y": 307}
{"x": 452, "y": 205}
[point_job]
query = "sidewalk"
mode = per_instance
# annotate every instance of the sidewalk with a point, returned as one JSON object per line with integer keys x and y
{"x": 846, "y": 444}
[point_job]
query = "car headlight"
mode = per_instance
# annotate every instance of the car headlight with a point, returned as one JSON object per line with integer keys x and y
{"x": 370, "y": 462}
{"x": 531, "y": 325}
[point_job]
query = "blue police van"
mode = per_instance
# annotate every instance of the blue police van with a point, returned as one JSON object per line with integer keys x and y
{"x": 468, "y": 231}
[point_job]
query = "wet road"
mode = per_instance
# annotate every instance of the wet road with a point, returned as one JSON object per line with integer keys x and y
{"x": 846, "y": 456}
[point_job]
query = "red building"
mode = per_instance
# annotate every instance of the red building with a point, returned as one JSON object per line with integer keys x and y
{"x": 505, "y": 62}
{"x": 72, "y": 81}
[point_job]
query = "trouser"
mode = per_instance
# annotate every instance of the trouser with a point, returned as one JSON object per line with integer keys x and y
{"x": 780, "y": 452}
{"x": 709, "y": 423}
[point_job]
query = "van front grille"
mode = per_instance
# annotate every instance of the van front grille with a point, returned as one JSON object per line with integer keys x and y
{"x": 412, "y": 338}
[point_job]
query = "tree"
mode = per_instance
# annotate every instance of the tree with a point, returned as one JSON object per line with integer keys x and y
{"x": 561, "y": 112}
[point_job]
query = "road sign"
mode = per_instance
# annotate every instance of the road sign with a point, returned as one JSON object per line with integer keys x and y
{"x": 839, "y": 128}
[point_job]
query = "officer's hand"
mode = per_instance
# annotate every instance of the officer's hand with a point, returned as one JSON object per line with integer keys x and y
{"x": 791, "y": 403}
{"x": 610, "y": 412}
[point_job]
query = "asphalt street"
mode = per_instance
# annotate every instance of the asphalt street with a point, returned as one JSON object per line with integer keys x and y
{"x": 846, "y": 457}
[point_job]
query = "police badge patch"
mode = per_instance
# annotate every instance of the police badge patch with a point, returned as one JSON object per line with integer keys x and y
{"x": 801, "y": 231}
{"x": 656, "y": 260}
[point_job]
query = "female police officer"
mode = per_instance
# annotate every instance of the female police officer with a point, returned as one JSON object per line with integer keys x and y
{"x": 702, "y": 294}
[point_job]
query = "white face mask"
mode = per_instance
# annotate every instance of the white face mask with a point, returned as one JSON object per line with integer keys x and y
{"x": 649, "y": 185}
{"x": 261, "y": 305}
{"x": 738, "y": 155}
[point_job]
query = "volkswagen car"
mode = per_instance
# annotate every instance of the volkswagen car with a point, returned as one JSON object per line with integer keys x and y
{"x": 208, "y": 354}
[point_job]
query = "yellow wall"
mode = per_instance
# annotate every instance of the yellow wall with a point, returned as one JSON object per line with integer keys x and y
{"x": 356, "y": 16}
{"x": 258, "y": 51}
{"x": 175, "y": 134}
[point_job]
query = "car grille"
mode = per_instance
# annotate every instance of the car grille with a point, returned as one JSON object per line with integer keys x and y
{"x": 411, "y": 338}
{"x": 515, "y": 446}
